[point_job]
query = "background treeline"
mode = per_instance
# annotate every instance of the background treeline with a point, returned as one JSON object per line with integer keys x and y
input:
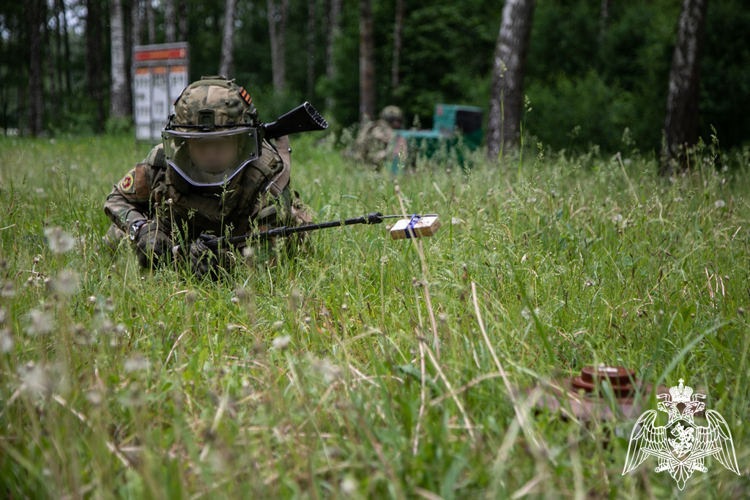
{"x": 594, "y": 67}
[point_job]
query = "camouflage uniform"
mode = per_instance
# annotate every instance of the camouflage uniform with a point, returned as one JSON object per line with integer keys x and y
{"x": 374, "y": 143}
{"x": 256, "y": 197}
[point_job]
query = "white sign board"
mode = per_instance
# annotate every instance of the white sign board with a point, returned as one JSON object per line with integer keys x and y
{"x": 160, "y": 72}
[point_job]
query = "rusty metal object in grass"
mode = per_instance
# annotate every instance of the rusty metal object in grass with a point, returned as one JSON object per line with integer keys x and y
{"x": 587, "y": 398}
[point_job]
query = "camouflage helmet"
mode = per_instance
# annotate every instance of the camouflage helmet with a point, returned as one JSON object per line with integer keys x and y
{"x": 392, "y": 114}
{"x": 213, "y": 102}
{"x": 214, "y": 132}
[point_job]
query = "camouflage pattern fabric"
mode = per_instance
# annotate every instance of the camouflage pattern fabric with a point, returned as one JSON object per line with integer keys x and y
{"x": 373, "y": 143}
{"x": 152, "y": 190}
{"x": 228, "y": 103}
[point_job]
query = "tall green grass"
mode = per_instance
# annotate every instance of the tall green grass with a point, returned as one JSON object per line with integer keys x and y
{"x": 329, "y": 376}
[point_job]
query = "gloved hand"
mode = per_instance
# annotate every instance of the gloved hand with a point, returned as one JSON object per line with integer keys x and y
{"x": 204, "y": 261}
{"x": 153, "y": 246}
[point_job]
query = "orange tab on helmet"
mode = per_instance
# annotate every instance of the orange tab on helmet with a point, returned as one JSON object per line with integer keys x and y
{"x": 245, "y": 96}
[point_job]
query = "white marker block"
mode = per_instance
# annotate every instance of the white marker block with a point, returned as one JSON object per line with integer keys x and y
{"x": 422, "y": 227}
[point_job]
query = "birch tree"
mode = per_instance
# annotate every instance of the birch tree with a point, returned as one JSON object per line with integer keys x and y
{"x": 170, "y": 23}
{"x": 681, "y": 122}
{"x": 509, "y": 68}
{"x": 135, "y": 22}
{"x": 334, "y": 30}
{"x": 366, "y": 64}
{"x": 34, "y": 21}
{"x": 277, "y": 19}
{"x": 226, "y": 64}
{"x": 150, "y": 23}
{"x": 66, "y": 43}
{"x": 118, "y": 81}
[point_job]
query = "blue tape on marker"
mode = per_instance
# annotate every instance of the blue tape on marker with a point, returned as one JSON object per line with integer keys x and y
{"x": 410, "y": 227}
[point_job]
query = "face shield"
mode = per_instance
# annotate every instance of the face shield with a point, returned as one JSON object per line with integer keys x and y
{"x": 207, "y": 159}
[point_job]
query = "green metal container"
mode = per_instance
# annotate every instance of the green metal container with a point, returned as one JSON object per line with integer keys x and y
{"x": 455, "y": 130}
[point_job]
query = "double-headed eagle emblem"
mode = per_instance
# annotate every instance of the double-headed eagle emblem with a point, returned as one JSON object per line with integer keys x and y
{"x": 681, "y": 446}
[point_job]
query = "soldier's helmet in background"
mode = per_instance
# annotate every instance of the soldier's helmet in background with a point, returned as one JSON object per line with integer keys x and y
{"x": 214, "y": 132}
{"x": 392, "y": 114}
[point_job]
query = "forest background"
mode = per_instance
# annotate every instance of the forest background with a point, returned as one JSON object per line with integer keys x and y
{"x": 595, "y": 68}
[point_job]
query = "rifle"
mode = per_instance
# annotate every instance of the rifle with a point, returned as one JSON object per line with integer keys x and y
{"x": 416, "y": 226}
{"x": 303, "y": 118}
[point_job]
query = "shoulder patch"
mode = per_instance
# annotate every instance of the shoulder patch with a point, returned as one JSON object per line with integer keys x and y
{"x": 127, "y": 184}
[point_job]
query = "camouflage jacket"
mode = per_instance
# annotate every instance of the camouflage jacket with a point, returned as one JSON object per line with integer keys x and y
{"x": 152, "y": 190}
{"x": 373, "y": 143}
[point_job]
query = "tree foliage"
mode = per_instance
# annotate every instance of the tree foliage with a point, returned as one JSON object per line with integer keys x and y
{"x": 587, "y": 80}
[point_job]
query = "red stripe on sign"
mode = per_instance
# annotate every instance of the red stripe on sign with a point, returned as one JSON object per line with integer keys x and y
{"x": 157, "y": 55}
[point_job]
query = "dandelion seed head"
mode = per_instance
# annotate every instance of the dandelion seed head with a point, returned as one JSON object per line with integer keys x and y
{"x": 719, "y": 204}
{"x": 58, "y": 240}
{"x": 66, "y": 283}
{"x": 348, "y": 486}
{"x": 136, "y": 363}
{"x": 94, "y": 397}
{"x": 36, "y": 379}
{"x": 327, "y": 370}
{"x": 6, "y": 341}
{"x": 40, "y": 322}
{"x": 282, "y": 342}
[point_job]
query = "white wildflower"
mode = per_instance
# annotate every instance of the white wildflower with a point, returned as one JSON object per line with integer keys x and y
{"x": 41, "y": 322}
{"x": 58, "y": 240}
{"x": 282, "y": 342}
{"x": 617, "y": 218}
{"x": 526, "y": 313}
{"x": 136, "y": 363}
{"x": 719, "y": 204}
{"x": 277, "y": 325}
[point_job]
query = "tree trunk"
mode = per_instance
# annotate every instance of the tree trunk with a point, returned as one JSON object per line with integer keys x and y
{"x": 398, "y": 33}
{"x": 66, "y": 45}
{"x": 277, "y": 18}
{"x": 170, "y": 24}
{"x": 509, "y": 68}
{"x": 681, "y": 122}
{"x": 94, "y": 64}
{"x": 49, "y": 60}
{"x": 366, "y": 63}
{"x": 150, "y": 23}
{"x": 310, "y": 48}
{"x": 182, "y": 20}
{"x": 34, "y": 20}
{"x": 118, "y": 82}
{"x": 58, "y": 48}
{"x": 334, "y": 30}
{"x": 603, "y": 21}
{"x": 226, "y": 65}
{"x": 135, "y": 22}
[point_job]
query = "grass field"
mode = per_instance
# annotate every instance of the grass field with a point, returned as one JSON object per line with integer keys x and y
{"x": 370, "y": 368}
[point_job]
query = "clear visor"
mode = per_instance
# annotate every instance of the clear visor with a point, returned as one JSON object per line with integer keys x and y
{"x": 210, "y": 158}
